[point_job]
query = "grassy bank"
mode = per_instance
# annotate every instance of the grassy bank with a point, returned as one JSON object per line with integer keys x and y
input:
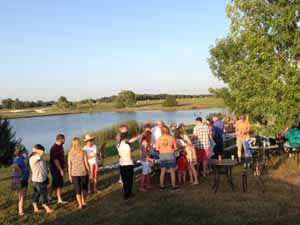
{"x": 280, "y": 205}
{"x": 183, "y": 104}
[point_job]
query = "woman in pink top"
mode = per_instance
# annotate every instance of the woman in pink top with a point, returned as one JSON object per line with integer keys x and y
{"x": 166, "y": 146}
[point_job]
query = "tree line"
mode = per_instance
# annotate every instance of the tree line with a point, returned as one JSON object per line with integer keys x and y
{"x": 124, "y": 98}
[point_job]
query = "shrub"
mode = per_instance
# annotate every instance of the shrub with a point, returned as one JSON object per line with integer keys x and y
{"x": 170, "y": 101}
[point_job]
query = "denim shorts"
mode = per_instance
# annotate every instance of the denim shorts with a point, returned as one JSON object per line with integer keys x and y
{"x": 168, "y": 161}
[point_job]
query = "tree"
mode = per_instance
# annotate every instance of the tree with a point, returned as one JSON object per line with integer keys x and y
{"x": 259, "y": 61}
{"x": 63, "y": 103}
{"x": 125, "y": 99}
{"x": 170, "y": 101}
{"x": 8, "y": 142}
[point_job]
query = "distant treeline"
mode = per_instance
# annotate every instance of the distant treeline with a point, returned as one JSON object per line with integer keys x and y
{"x": 144, "y": 97}
{"x": 18, "y": 104}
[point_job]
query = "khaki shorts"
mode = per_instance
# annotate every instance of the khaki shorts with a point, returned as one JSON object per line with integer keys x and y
{"x": 240, "y": 144}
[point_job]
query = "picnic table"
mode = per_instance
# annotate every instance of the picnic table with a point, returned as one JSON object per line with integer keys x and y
{"x": 223, "y": 167}
{"x": 293, "y": 151}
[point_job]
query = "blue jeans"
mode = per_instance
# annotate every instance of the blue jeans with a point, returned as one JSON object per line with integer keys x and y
{"x": 40, "y": 191}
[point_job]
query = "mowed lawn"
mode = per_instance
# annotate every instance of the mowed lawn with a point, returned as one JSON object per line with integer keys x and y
{"x": 191, "y": 205}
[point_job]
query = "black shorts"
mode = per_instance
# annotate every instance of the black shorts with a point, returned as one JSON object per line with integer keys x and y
{"x": 80, "y": 184}
{"x": 57, "y": 179}
{"x": 24, "y": 184}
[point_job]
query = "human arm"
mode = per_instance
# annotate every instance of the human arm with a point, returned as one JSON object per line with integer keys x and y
{"x": 134, "y": 139}
{"x": 18, "y": 169}
{"x": 70, "y": 168}
{"x": 86, "y": 163}
{"x": 59, "y": 167}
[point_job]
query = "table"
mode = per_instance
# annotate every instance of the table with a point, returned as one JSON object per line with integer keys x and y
{"x": 218, "y": 165}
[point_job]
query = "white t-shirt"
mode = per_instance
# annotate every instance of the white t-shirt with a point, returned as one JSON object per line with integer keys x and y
{"x": 125, "y": 154}
{"x": 156, "y": 134}
{"x": 90, "y": 152}
{"x": 38, "y": 168}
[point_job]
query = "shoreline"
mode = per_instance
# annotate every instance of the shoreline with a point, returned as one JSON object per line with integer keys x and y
{"x": 113, "y": 111}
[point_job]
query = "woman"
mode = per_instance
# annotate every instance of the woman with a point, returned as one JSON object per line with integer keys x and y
{"x": 183, "y": 141}
{"x": 126, "y": 164}
{"x": 146, "y": 161}
{"x": 79, "y": 171}
{"x": 166, "y": 146}
{"x": 21, "y": 173}
{"x": 93, "y": 155}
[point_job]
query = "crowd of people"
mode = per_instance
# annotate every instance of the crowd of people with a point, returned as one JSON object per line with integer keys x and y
{"x": 168, "y": 148}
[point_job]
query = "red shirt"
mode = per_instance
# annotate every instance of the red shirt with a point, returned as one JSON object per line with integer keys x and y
{"x": 182, "y": 164}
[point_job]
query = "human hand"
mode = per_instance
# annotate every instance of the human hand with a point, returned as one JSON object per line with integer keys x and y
{"x": 62, "y": 173}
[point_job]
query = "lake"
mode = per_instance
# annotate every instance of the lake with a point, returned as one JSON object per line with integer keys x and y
{"x": 43, "y": 130}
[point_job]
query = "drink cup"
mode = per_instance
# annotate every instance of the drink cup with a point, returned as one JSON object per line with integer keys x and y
{"x": 220, "y": 158}
{"x": 232, "y": 157}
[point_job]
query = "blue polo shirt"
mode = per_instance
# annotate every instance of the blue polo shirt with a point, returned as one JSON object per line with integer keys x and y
{"x": 21, "y": 162}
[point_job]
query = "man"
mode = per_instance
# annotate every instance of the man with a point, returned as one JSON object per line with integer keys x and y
{"x": 242, "y": 130}
{"x": 57, "y": 166}
{"x": 123, "y": 129}
{"x": 218, "y": 132}
{"x": 201, "y": 138}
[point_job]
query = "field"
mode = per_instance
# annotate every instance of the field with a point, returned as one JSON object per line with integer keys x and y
{"x": 183, "y": 104}
{"x": 280, "y": 204}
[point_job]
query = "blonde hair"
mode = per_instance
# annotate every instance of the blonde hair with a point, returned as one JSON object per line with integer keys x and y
{"x": 165, "y": 130}
{"x": 76, "y": 145}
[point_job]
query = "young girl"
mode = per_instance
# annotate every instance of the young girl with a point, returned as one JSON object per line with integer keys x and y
{"x": 21, "y": 172}
{"x": 79, "y": 171}
{"x": 92, "y": 154}
{"x": 126, "y": 164}
{"x": 184, "y": 142}
{"x": 182, "y": 167}
{"x": 146, "y": 161}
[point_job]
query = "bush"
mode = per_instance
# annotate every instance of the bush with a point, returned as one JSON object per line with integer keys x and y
{"x": 170, "y": 101}
{"x": 8, "y": 143}
{"x": 125, "y": 99}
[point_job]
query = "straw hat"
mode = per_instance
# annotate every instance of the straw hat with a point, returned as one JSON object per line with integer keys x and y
{"x": 88, "y": 137}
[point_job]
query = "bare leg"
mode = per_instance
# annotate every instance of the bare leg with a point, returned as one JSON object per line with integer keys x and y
{"x": 83, "y": 198}
{"x": 173, "y": 177}
{"x": 21, "y": 200}
{"x": 162, "y": 177}
{"x": 191, "y": 174}
{"x": 194, "y": 174}
{"x": 58, "y": 193}
{"x": 79, "y": 201}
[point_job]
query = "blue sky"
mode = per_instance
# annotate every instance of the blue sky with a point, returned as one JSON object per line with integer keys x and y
{"x": 94, "y": 48}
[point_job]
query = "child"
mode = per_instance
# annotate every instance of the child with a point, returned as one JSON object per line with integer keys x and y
{"x": 92, "y": 153}
{"x": 248, "y": 151}
{"x": 182, "y": 167}
{"x": 39, "y": 178}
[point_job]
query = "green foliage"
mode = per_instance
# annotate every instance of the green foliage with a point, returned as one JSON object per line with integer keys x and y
{"x": 17, "y": 104}
{"x": 259, "y": 61}
{"x": 7, "y": 142}
{"x": 63, "y": 103}
{"x": 125, "y": 99}
{"x": 109, "y": 134}
{"x": 170, "y": 101}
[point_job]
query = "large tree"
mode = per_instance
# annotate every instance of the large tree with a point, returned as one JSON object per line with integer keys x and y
{"x": 8, "y": 142}
{"x": 259, "y": 61}
{"x": 125, "y": 99}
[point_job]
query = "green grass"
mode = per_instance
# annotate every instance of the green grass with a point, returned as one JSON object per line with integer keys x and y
{"x": 192, "y": 205}
{"x": 183, "y": 104}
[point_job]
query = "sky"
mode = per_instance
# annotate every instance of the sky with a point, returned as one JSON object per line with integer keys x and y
{"x": 94, "y": 48}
